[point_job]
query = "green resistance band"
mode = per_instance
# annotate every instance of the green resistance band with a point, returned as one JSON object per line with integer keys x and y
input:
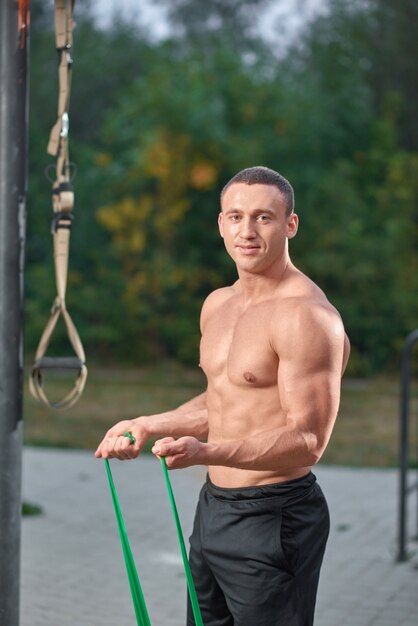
{"x": 190, "y": 584}
{"x": 136, "y": 591}
{"x": 140, "y": 607}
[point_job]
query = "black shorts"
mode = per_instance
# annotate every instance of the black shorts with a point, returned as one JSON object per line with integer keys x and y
{"x": 256, "y": 553}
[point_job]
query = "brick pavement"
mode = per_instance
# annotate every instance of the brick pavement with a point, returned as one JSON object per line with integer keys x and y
{"x": 72, "y": 570}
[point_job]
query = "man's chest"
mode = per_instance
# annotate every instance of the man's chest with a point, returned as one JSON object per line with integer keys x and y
{"x": 237, "y": 345}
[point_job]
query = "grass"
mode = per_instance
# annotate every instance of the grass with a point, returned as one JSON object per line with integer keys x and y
{"x": 110, "y": 395}
{"x": 28, "y": 508}
{"x": 365, "y": 434}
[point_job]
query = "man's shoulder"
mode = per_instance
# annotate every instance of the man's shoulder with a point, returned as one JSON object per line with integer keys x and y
{"x": 308, "y": 325}
{"x": 303, "y": 307}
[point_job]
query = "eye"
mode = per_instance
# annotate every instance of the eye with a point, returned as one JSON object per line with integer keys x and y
{"x": 263, "y": 218}
{"x": 234, "y": 217}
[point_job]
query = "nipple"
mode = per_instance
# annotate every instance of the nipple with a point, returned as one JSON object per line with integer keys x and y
{"x": 249, "y": 377}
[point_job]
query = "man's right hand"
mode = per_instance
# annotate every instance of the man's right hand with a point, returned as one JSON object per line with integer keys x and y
{"x": 115, "y": 445}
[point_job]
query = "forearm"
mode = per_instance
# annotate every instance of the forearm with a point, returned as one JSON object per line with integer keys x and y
{"x": 279, "y": 448}
{"x": 189, "y": 419}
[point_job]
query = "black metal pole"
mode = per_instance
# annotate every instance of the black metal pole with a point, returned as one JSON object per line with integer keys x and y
{"x": 404, "y": 442}
{"x": 13, "y": 176}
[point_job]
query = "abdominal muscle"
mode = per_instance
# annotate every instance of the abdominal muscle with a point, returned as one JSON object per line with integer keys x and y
{"x": 253, "y": 412}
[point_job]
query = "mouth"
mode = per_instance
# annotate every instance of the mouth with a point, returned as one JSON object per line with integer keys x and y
{"x": 248, "y": 250}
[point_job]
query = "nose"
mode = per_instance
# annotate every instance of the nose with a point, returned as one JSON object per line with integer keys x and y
{"x": 247, "y": 229}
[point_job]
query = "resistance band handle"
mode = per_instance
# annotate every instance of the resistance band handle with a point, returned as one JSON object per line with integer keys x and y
{"x": 190, "y": 584}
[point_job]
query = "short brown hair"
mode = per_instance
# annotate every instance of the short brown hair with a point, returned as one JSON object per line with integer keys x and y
{"x": 260, "y": 175}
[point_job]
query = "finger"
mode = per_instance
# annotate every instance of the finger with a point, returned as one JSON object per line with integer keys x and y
{"x": 135, "y": 443}
{"x": 175, "y": 461}
{"x": 122, "y": 443}
{"x": 115, "y": 449}
{"x": 166, "y": 448}
{"x": 107, "y": 447}
{"x": 116, "y": 431}
{"x": 124, "y": 448}
{"x": 159, "y": 449}
{"x": 104, "y": 444}
{"x": 102, "y": 448}
{"x": 123, "y": 455}
{"x": 164, "y": 440}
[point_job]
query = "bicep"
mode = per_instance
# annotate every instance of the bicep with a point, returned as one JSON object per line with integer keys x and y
{"x": 309, "y": 373}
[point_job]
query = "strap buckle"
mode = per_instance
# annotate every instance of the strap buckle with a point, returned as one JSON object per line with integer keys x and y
{"x": 65, "y": 125}
{"x": 61, "y": 219}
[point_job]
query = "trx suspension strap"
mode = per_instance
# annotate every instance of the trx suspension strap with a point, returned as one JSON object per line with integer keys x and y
{"x": 136, "y": 591}
{"x": 62, "y": 205}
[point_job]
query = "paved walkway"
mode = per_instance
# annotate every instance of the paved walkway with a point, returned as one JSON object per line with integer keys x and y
{"x": 72, "y": 569}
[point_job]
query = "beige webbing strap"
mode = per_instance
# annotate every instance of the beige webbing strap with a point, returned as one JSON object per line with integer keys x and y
{"x": 62, "y": 205}
{"x": 63, "y": 40}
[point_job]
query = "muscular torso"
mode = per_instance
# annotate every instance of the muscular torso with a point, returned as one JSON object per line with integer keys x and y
{"x": 241, "y": 367}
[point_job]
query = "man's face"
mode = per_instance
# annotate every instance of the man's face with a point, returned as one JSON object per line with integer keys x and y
{"x": 254, "y": 225}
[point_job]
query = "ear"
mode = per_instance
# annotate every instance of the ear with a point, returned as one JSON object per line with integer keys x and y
{"x": 221, "y": 224}
{"x": 292, "y": 226}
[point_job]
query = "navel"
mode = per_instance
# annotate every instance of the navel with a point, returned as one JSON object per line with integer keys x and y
{"x": 249, "y": 377}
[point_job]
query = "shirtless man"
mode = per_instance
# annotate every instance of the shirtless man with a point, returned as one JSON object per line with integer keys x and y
{"x": 273, "y": 350}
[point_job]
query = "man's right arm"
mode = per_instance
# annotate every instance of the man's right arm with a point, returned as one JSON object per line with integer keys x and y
{"x": 189, "y": 418}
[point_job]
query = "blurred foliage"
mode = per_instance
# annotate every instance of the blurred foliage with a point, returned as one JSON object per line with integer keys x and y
{"x": 158, "y": 127}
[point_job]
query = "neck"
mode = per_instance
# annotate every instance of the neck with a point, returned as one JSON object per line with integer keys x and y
{"x": 256, "y": 287}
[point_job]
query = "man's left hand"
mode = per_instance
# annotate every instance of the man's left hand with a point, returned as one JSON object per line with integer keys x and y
{"x": 179, "y": 453}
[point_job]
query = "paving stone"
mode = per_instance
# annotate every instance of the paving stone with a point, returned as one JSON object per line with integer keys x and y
{"x": 72, "y": 569}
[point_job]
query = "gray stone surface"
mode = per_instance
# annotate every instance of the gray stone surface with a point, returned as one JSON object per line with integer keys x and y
{"x": 72, "y": 569}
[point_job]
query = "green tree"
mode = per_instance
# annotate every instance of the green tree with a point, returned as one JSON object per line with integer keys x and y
{"x": 157, "y": 128}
